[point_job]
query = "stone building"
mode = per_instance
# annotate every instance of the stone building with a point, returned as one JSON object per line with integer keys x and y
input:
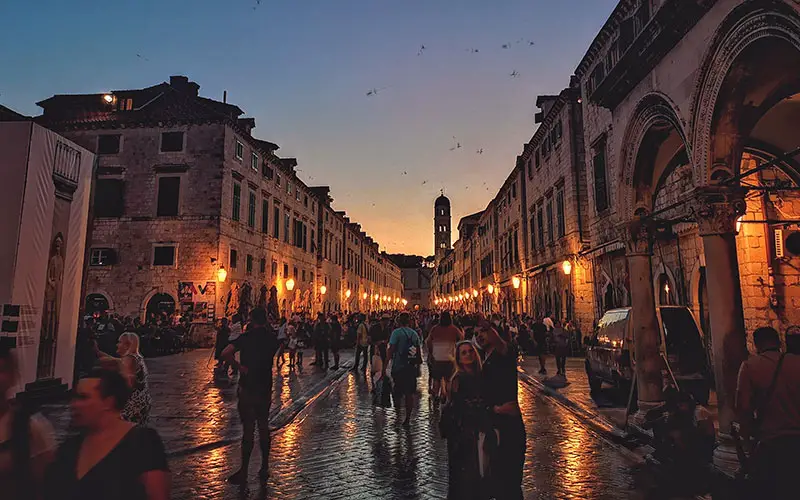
{"x": 191, "y": 211}
{"x": 689, "y": 111}
{"x": 558, "y": 278}
{"x": 330, "y": 224}
{"x": 441, "y": 226}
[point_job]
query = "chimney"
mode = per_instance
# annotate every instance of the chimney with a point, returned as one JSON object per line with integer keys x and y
{"x": 182, "y": 83}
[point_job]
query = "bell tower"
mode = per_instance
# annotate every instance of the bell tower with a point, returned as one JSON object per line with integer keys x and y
{"x": 441, "y": 226}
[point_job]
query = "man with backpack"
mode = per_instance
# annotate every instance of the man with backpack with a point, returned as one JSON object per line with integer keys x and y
{"x": 406, "y": 357}
{"x": 768, "y": 410}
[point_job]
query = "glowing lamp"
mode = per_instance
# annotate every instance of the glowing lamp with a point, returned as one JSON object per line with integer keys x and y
{"x": 566, "y": 266}
{"x": 108, "y": 98}
{"x": 323, "y": 289}
{"x": 666, "y": 288}
{"x": 376, "y": 296}
{"x": 475, "y": 293}
{"x": 516, "y": 281}
{"x": 221, "y": 274}
{"x": 348, "y": 293}
{"x": 739, "y": 224}
{"x": 396, "y": 300}
{"x": 405, "y": 302}
{"x": 490, "y": 289}
{"x": 290, "y": 284}
{"x": 364, "y": 296}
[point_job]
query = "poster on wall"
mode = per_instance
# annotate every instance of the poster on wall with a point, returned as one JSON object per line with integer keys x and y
{"x": 197, "y": 300}
{"x": 186, "y": 291}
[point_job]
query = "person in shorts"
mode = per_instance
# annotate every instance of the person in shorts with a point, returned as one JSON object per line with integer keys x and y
{"x": 441, "y": 344}
{"x": 404, "y": 345}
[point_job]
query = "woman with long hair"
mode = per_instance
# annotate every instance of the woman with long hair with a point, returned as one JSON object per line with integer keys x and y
{"x": 133, "y": 369}
{"x": 467, "y": 423}
{"x": 499, "y": 377}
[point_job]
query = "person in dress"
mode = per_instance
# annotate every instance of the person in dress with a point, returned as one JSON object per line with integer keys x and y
{"x": 469, "y": 427}
{"x": 110, "y": 457}
{"x": 134, "y": 370}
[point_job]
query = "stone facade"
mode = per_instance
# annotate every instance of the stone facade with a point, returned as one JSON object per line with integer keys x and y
{"x": 192, "y": 212}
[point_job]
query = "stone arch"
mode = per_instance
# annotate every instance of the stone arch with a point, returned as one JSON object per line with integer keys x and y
{"x": 664, "y": 270}
{"x": 653, "y": 110}
{"x": 105, "y": 294}
{"x": 745, "y": 25}
{"x": 149, "y": 295}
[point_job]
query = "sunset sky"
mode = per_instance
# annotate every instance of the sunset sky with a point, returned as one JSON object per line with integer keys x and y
{"x": 303, "y": 68}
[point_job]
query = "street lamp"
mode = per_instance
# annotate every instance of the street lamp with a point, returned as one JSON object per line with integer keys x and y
{"x": 347, "y": 294}
{"x": 516, "y": 281}
{"x": 323, "y": 290}
{"x": 405, "y": 302}
{"x": 567, "y": 267}
{"x": 290, "y": 284}
{"x": 108, "y": 98}
{"x": 474, "y": 293}
{"x": 490, "y": 289}
{"x": 364, "y": 296}
{"x": 221, "y": 274}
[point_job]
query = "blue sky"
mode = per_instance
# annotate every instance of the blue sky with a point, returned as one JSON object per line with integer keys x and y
{"x": 302, "y": 68}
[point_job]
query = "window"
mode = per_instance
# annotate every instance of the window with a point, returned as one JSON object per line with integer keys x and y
{"x": 278, "y": 180}
{"x": 265, "y": 216}
{"x": 251, "y": 210}
{"x": 237, "y": 201}
{"x": 239, "y": 151}
{"x": 297, "y": 193}
{"x": 550, "y": 232}
{"x": 103, "y": 257}
{"x": 124, "y": 104}
{"x": 514, "y": 191}
{"x": 108, "y": 144}
{"x": 305, "y": 201}
{"x": 169, "y": 189}
{"x": 276, "y": 222}
{"x": 540, "y": 226}
{"x": 533, "y": 233}
{"x": 262, "y": 266}
{"x": 164, "y": 256}
{"x": 267, "y": 171}
{"x": 516, "y": 247}
{"x": 249, "y": 264}
{"x": 109, "y": 198}
{"x": 288, "y": 188}
{"x": 286, "y": 222}
{"x": 254, "y": 162}
{"x": 304, "y": 275}
{"x": 600, "y": 185}
{"x": 171, "y": 142}
{"x": 560, "y": 223}
{"x": 274, "y": 267}
{"x": 285, "y": 270}
{"x": 530, "y": 169}
{"x": 296, "y": 274}
{"x": 234, "y": 259}
{"x": 538, "y": 157}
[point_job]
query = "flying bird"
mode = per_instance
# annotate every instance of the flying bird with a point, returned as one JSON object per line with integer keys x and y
{"x": 373, "y": 91}
{"x": 140, "y": 57}
{"x": 514, "y": 74}
{"x": 473, "y": 51}
{"x": 531, "y": 44}
{"x": 405, "y": 172}
{"x": 424, "y": 182}
{"x": 506, "y": 45}
{"x": 480, "y": 151}
{"x": 421, "y": 50}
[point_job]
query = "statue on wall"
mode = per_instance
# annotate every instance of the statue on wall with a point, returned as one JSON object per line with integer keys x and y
{"x": 51, "y": 306}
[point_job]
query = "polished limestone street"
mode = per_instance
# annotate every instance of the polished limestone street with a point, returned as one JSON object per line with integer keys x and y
{"x": 341, "y": 446}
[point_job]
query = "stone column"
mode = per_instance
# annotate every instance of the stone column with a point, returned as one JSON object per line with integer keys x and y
{"x": 716, "y": 210}
{"x": 646, "y": 334}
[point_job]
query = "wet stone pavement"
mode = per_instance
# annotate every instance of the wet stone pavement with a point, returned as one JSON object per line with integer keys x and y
{"x": 342, "y": 446}
{"x": 192, "y": 409}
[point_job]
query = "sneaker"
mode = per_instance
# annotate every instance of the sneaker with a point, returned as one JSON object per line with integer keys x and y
{"x": 238, "y": 477}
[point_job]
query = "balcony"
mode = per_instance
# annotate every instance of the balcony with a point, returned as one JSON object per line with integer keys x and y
{"x": 642, "y": 49}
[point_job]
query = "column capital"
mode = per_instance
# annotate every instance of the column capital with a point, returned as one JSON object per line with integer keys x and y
{"x": 637, "y": 236}
{"x": 716, "y": 208}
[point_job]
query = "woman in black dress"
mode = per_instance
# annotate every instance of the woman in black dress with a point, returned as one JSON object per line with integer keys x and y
{"x": 110, "y": 458}
{"x": 500, "y": 393}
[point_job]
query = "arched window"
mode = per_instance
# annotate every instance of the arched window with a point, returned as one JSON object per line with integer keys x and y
{"x": 666, "y": 291}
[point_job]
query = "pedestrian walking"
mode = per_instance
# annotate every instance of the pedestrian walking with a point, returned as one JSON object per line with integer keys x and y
{"x": 406, "y": 357}
{"x": 295, "y": 352}
{"x": 110, "y": 457}
{"x": 220, "y": 343}
{"x": 321, "y": 342}
{"x": 539, "y": 331}
{"x": 362, "y": 342}
{"x": 283, "y": 339}
{"x": 379, "y": 333}
{"x": 468, "y": 426}
{"x": 768, "y": 410}
{"x": 26, "y": 439}
{"x": 560, "y": 347}
{"x": 441, "y": 345}
{"x": 499, "y": 376}
{"x": 335, "y": 330}
{"x": 256, "y": 348}
{"x": 134, "y": 370}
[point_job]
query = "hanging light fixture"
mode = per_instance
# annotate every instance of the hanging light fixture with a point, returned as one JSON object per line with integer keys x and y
{"x": 348, "y": 293}
{"x": 516, "y": 281}
{"x": 364, "y": 296}
{"x": 490, "y": 289}
{"x": 221, "y": 274}
{"x": 323, "y": 289}
{"x": 290, "y": 284}
{"x": 566, "y": 266}
{"x": 474, "y": 293}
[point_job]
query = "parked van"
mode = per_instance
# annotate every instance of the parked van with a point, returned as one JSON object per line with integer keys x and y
{"x": 610, "y": 355}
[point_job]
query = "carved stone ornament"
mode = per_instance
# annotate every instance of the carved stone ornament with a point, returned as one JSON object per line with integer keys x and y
{"x": 716, "y": 208}
{"x": 637, "y": 235}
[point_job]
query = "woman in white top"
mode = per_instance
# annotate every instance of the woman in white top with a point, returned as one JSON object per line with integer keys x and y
{"x": 441, "y": 344}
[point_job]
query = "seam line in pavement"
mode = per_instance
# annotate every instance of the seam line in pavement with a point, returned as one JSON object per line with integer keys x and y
{"x": 282, "y": 418}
